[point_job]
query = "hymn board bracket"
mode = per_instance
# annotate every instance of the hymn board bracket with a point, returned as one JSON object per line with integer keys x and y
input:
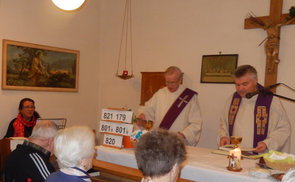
{"x": 114, "y": 124}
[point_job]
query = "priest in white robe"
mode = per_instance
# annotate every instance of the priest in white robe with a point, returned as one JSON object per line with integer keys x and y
{"x": 239, "y": 117}
{"x": 188, "y": 123}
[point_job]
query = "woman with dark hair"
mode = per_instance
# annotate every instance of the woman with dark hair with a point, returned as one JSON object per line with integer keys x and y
{"x": 23, "y": 124}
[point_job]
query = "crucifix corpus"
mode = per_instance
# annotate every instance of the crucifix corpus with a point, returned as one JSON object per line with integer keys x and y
{"x": 272, "y": 25}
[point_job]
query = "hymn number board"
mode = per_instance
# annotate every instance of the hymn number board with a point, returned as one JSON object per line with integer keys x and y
{"x": 114, "y": 125}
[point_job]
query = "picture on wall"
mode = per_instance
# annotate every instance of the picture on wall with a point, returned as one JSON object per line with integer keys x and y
{"x": 218, "y": 68}
{"x": 27, "y": 66}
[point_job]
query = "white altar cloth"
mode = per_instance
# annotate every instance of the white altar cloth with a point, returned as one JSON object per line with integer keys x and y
{"x": 201, "y": 165}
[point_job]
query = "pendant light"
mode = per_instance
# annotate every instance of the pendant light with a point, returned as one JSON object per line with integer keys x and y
{"x": 125, "y": 64}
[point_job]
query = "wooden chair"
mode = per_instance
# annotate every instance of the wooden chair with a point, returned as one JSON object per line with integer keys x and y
{"x": 4, "y": 152}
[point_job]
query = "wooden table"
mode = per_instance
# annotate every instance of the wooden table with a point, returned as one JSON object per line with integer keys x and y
{"x": 119, "y": 170}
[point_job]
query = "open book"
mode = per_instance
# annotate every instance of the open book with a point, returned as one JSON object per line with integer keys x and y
{"x": 246, "y": 152}
{"x": 231, "y": 146}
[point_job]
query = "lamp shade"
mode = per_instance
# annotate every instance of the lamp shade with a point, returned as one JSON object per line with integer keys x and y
{"x": 68, "y": 5}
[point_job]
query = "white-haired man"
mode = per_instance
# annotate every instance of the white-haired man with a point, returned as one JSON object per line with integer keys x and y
{"x": 30, "y": 160}
{"x": 260, "y": 120}
{"x": 175, "y": 108}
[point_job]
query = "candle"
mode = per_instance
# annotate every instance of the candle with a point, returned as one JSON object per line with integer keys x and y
{"x": 125, "y": 73}
{"x": 235, "y": 159}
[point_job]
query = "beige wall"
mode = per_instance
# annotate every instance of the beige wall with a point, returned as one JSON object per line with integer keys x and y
{"x": 165, "y": 32}
{"x": 40, "y": 22}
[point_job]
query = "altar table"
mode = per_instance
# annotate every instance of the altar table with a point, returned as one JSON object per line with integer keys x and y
{"x": 201, "y": 165}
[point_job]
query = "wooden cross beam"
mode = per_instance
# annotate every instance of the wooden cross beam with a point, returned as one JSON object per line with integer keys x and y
{"x": 272, "y": 25}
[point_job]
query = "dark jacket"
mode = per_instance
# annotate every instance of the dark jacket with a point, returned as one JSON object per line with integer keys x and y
{"x": 27, "y": 161}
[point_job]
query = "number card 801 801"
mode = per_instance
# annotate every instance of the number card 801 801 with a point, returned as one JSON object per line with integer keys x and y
{"x": 115, "y": 128}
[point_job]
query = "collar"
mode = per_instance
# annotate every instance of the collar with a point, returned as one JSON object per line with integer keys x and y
{"x": 252, "y": 99}
{"x": 76, "y": 171}
{"x": 147, "y": 179}
{"x": 37, "y": 147}
{"x": 178, "y": 91}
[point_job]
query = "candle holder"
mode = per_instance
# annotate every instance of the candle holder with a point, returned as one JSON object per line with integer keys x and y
{"x": 234, "y": 162}
{"x": 147, "y": 124}
{"x": 125, "y": 72}
{"x": 236, "y": 140}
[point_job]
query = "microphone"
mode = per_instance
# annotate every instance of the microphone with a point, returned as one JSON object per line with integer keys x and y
{"x": 263, "y": 90}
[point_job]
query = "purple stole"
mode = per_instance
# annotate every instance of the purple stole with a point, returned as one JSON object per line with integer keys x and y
{"x": 261, "y": 113}
{"x": 176, "y": 108}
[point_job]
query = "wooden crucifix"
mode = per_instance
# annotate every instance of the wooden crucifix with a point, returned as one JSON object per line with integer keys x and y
{"x": 272, "y": 25}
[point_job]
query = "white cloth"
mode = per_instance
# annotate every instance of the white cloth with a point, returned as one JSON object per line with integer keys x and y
{"x": 189, "y": 121}
{"x": 201, "y": 165}
{"x": 279, "y": 129}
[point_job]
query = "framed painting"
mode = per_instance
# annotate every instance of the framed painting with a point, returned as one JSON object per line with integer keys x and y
{"x": 27, "y": 66}
{"x": 218, "y": 68}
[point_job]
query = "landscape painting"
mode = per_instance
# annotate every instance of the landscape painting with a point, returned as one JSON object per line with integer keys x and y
{"x": 27, "y": 66}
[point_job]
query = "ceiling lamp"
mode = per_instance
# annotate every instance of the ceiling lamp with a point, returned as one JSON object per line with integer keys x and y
{"x": 68, "y": 5}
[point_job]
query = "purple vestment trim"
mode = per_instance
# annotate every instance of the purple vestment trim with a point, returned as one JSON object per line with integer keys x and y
{"x": 261, "y": 115}
{"x": 176, "y": 108}
{"x": 232, "y": 113}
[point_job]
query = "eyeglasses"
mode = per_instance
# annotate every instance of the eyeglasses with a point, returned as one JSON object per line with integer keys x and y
{"x": 29, "y": 107}
{"x": 171, "y": 83}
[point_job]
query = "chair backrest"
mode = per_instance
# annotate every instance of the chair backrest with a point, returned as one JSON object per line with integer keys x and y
{"x": 6, "y": 146}
{"x": 60, "y": 122}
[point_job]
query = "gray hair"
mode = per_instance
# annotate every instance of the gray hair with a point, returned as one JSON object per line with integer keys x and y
{"x": 173, "y": 69}
{"x": 245, "y": 69}
{"x": 158, "y": 151}
{"x": 73, "y": 144}
{"x": 44, "y": 130}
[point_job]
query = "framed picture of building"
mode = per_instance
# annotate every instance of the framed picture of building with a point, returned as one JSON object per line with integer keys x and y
{"x": 27, "y": 66}
{"x": 218, "y": 68}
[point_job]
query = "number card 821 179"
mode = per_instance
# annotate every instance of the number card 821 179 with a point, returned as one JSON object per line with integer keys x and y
{"x": 116, "y": 115}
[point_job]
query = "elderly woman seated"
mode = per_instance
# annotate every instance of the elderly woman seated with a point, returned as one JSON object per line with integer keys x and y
{"x": 159, "y": 155}
{"x": 74, "y": 149}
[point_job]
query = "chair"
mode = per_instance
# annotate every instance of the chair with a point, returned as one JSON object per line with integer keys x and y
{"x": 6, "y": 146}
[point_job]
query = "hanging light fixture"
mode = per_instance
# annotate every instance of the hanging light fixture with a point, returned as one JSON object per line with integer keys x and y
{"x": 68, "y": 5}
{"x": 125, "y": 50}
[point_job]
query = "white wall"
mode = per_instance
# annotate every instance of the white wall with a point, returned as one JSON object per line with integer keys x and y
{"x": 165, "y": 32}
{"x": 40, "y": 22}
{"x": 178, "y": 32}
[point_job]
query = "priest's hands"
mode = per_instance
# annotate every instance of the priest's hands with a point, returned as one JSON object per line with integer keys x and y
{"x": 181, "y": 135}
{"x": 141, "y": 117}
{"x": 224, "y": 141}
{"x": 261, "y": 147}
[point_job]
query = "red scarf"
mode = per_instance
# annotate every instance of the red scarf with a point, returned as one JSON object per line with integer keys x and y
{"x": 19, "y": 123}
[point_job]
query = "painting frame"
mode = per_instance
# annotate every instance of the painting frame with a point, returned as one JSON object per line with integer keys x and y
{"x": 29, "y": 66}
{"x": 218, "y": 68}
